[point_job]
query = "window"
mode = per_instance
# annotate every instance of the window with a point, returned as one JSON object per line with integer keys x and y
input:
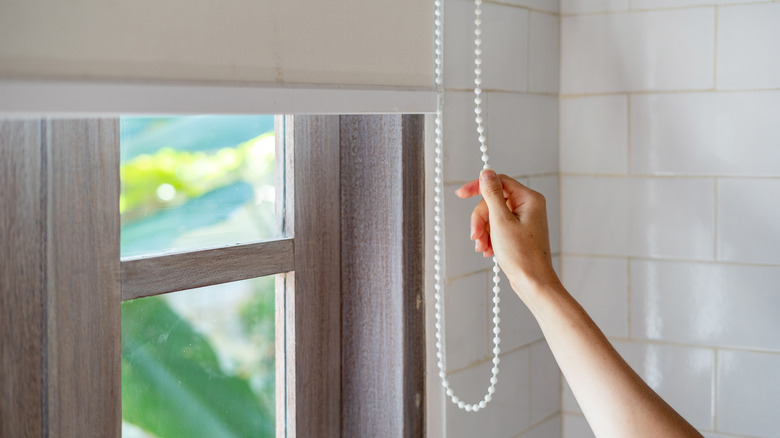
{"x": 352, "y": 299}
{"x": 199, "y": 362}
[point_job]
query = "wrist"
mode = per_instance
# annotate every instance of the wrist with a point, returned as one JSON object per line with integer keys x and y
{"x": 531, "y": 288}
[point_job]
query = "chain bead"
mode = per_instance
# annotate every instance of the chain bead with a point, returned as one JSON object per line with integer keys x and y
{"x": 439, "y": 209}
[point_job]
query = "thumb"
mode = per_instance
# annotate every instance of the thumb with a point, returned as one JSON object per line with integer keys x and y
{"x": 493, "y": 192}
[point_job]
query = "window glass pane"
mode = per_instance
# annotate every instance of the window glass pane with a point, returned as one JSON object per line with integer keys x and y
{"x": 196, "y": 182}
{"x": 200, "y": 363}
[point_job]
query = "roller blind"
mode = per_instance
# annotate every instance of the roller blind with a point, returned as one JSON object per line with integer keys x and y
{"x": 362, "y": 43}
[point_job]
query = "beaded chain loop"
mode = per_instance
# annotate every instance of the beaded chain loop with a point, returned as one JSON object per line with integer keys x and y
{"x": 439, "y": 210}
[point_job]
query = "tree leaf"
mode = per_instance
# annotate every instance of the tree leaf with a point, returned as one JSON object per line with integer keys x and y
{"x": 172, "y": 384}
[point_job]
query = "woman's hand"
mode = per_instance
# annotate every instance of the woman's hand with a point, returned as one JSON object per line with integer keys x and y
{"x": 511, "y": 222}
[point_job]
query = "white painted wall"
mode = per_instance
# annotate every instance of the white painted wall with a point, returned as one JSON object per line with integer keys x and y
{"x": 520, "y": 77}
{"x": 670, "y": 191}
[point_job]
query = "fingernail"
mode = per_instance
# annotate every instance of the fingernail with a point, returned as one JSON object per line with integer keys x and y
{"x": 487, "y": 174}
{"x": 476, "y": 245}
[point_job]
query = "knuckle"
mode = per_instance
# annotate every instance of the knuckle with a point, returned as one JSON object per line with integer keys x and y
{"x": 538, "y": 198}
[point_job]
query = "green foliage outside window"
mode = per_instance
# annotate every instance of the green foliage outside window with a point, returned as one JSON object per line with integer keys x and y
{"x": 178, "y": 376}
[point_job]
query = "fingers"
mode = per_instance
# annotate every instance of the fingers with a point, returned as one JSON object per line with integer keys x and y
{"x": 479, "y": 227}
{"x": 485, "y": 246}
{"x": 492, "y": 189}
{"x": 480, "y": 230}
{"x": 512, "y": 189}
{"x": 468, "y": 190}
{"x": 517, "y": 194}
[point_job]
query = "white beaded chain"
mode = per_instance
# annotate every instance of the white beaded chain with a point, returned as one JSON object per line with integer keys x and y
{"x": 439, "y": 211}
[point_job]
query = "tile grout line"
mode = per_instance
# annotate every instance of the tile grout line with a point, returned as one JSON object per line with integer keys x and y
{"x": 523, "y": 7}
{"x": 628, "y": 134}
{"x": 667, "y": 91}
{"x": 449, "y": 280}
{"x": 537, "y": 424}
{"x": 631, "y": 9}
{"x": 715, "y": 182}
{"x": 666, "y": 343}
{"x": 562, "y": 259}
{"x": 715, "y": 51}
{"x": 628, "y": 297}
{"x": 500, "y": 90}
{"x": 702, "y": 176}
{"x": 575, "y": 413}
{"x": 528, "y": 51}
{"x": 488, "y": 359}
{"x": 714, "y": 406}
{"x": 530, "y": 383}
{"x": 487, "y": 270}
{"x": 458, "y": 183}
{"x": 668, "y": 260}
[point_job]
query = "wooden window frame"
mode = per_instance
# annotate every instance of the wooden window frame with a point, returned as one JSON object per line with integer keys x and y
{"x": 353, "y": 316}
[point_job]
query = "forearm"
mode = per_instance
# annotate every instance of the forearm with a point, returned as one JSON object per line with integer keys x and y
{"x": 614, "y": 399}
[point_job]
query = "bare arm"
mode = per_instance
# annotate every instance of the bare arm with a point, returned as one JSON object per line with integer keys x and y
{"x": 511, "y": 221}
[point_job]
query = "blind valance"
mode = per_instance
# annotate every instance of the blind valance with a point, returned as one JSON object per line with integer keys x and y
{"x": 365, "y": 43}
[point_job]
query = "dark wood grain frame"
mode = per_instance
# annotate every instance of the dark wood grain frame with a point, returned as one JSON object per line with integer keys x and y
{"x": 351, "y": 314}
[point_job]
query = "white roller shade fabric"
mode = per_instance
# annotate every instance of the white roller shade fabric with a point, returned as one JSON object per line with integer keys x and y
{"x": 364, "y": 43}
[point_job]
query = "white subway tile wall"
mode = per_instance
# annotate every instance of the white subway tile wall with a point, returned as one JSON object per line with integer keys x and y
{"x": 520, "y": 74}
{"x": 551, "y": 427}
{"x": 575, "y": 426}
{"x": 638, "y": 216}
{"x": 518, "y": 326}
{"x": 547, "y": 185}
{"x": 540, "y": 5}
{"x": 748, "y": 220}
{"x": 660, "y": 4}
{"x": 592, "y": 6}
{"x": 748, "y": 393}
{"x": 675, "y": 373}
{"x": 713, "y": 304}
{"x": 504, "y": 46}
{"x": 594, "y": 134}
{"x": 638, "y": 51}
{"x": 600, "y": 285}
{"x": 543, "y": 53}
{"x": 461, "y": 157}
{"x": 466, "y": 307}
{"x": 522, "y": 131}
{"x": 545, "y": 383}
{"x": 458, "y": 39}
{"x": 747, "y": 47}
{"x": 568, "y": 402}
{"x": 666, "y": 137}
{"x": 510, "y": 410}
{"x": 670, "y": 199}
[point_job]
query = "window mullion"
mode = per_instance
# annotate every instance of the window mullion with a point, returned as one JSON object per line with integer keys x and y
{"x": 82, "y": 290}
{"x": 148, "y": 276}
{"x": 314, "y": 307}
